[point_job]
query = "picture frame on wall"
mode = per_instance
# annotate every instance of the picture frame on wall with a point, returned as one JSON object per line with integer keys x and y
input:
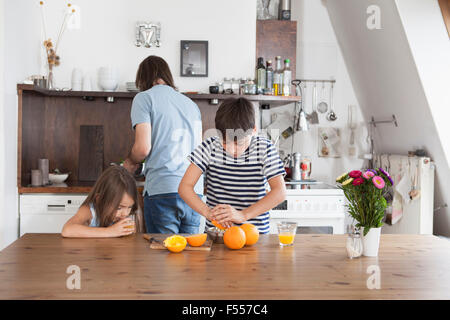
{"x": 193, "y": 58}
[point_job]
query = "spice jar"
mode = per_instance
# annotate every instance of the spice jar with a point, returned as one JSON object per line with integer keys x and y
{"x": 220, "y": 85}
{"x": 235, "y": 83}
{"x": 252, "y": 87}
{"x": 226, "y": 85}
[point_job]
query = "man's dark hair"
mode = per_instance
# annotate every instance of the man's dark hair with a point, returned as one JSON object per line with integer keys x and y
{"x": 237, "y": 116}
{"x": 152, "y": 69}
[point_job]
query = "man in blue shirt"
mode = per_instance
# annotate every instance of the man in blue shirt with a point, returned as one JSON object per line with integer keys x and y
{"x": 167, "y": 128}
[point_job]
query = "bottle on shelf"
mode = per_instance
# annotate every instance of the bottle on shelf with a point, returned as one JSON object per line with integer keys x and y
{"x": 287, "y": 78}
{"x": 235, "y": 83}
{"x": 269, "y": 78}
{"x": 260, "y": 76}
{"x": 278, "y": 77}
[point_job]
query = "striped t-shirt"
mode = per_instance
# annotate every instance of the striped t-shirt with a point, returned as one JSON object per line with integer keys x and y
{"x": 241, "y": 181}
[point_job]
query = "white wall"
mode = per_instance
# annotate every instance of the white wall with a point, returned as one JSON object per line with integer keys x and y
{"x": 2, "y": 134}
{"x": 107, "y": 37}
{"x": 319, "y": 57}
{"x": 386, "y": 81}
{"x": 430, "y": 47}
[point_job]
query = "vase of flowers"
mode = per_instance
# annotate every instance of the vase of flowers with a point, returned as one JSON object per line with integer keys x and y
{"x": 365, "y": 193}
{"x": 53, "y": 59}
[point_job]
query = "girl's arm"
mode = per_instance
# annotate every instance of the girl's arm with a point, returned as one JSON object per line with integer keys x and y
{"x": 187, "y": 193}
{"x": 78, "y": 227}
{"x": 277, "y": 194}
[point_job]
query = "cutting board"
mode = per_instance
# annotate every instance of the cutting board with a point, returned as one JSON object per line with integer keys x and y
{"x": 161, "y": 237}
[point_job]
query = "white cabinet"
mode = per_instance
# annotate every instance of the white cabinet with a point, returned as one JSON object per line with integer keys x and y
{"x": 47, "y": 213}
{"x": 320, "y": 209}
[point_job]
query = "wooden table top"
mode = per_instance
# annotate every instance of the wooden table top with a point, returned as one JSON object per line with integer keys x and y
{"x": 316, "y": 267}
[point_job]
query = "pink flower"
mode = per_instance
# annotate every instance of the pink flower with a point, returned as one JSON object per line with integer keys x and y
{"x": 358, "y": 181}
{"x": 368, "y": 175}
{"x": 378, "y": 182}
{"x": 355, "y": 174}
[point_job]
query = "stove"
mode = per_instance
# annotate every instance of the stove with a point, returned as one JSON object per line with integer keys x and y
{"x": 317, "y": 207}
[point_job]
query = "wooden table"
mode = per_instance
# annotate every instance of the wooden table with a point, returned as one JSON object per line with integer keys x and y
{"x": 316, "y": 267}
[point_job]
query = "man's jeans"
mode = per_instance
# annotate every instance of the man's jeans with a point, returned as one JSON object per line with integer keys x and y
{"x": 168, "y": 213}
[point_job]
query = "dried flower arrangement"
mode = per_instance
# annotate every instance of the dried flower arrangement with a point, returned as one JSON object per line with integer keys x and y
{"x": 52, "y": 58}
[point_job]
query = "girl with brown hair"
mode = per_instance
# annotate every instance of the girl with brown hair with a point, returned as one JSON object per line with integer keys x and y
{"x": 109, "y": 208}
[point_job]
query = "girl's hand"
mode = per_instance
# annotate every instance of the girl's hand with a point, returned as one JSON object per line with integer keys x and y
{"x": 121, "y": 228}
{"x": 225, "y": 214}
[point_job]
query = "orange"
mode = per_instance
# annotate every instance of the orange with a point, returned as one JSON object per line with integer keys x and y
{"x": 251, "y": 233}
{"x": 234, "y": 237}
{"x": 175, "y": 243}
{"x": 218, "y": 225}
{"x": 196, "y": 240}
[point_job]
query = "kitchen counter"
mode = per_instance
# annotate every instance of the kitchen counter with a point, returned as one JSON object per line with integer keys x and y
{"x": 69, "y": 187}
{"x": 316, "y": 267}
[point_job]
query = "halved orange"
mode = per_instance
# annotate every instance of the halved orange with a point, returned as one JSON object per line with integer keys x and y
{"x": 218, "y": 225}
{"x": 175, "y": 243}
{"x": 196, "y": 240}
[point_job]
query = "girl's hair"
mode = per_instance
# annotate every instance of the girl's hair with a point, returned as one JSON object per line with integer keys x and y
{"x": 152, "y": 69}
{"x": 108, "y": 192}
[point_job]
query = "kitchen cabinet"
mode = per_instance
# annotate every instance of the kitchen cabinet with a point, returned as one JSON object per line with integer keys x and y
{"x": 49, "y": 127}
{"x": 47, "y": 213}
{"x": 318, "y": 208}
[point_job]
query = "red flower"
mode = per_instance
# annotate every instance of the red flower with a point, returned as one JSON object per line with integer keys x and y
{"x": 355, "y": 174}
{"x": 358, "y": 181}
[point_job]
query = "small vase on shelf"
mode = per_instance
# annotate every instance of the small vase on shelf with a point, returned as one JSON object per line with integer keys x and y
{"x": 50, "y": 85}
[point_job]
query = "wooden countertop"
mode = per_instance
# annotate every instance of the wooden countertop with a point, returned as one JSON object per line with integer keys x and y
{"x": 69, "y": 187}
{"x": 316, "y": 267}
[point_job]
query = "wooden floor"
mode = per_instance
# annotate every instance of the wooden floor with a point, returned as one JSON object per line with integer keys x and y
{"x": 316, "y": 267}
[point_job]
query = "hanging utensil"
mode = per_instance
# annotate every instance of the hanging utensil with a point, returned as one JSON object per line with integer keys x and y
{"x": 415, "y": 192}
{"x": 302, "y": 123}
{"x": 314, "y": 117}
{"x": 331, "y": 116}
{"x": 322, "y": 107}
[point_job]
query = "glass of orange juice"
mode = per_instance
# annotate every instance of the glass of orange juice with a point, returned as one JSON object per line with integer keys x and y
{"x": 286, "y": 233}
{"x": 132, "y": 225}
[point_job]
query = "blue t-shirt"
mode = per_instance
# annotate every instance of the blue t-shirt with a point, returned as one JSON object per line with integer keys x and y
{"x": 241, "y": 181}
{"x": 176, "y": 129}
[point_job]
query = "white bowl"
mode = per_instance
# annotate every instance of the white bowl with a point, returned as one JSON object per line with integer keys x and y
{"x": 108, "y": 85}
{"x": 57, "y": 178}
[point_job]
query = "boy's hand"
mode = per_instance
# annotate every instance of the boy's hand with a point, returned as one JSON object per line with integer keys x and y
{"x": 121, "y": 228}
{"x": 130, "y": 166}
{"x": 224, "y": 213}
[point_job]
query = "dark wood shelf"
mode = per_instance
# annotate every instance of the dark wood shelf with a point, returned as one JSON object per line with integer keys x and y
{"x": 272, "y": 100}
{"x": 70, "y": 93}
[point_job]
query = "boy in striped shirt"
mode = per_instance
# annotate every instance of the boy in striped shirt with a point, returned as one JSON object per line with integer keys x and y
{"x": 237, "y": 168}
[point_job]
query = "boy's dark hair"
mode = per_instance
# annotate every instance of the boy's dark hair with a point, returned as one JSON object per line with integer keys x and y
{"x": 152, "y": 69}
{"x": 237, "y": 116}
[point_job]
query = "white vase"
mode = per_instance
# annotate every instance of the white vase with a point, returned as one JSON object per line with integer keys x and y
{"x": 371, "y": 242}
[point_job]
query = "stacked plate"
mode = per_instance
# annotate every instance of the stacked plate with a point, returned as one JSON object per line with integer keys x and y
{"x": 131, "y": 86}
